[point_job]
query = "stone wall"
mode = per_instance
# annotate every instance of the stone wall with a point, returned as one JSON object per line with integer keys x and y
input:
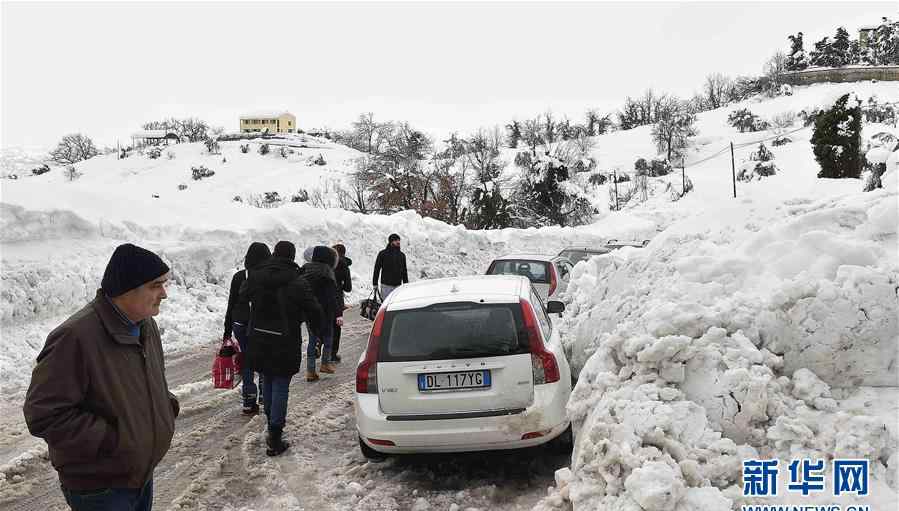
{"x": 842, "y": 74}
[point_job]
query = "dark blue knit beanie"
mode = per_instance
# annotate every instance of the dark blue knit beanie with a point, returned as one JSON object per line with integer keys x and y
{"x": 131, "y": 267}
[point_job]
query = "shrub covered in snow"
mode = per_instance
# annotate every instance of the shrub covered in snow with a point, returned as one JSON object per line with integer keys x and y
{"x": 779, "y": 141}
{"x": 153, "y": 152}
{"x": 836, "y": 139}
{"x": 200, "y": 172}
{"x": 212, "y": 145}
{"x": 319, "y": 160}
{"x": 244, "y": 148}
{"x": 71, "y": 173}
{"x": 744, "y": 120}
{"x": 263, "y": 149}
{"x": 761, "y": 154}
{"x": 43, "y": 169}
{"x": 170, "y": 155}
{"x": 301, "y": 196}
{"x": 755, "y": 170}
{"x": 597, "y": 178}
{"x": 880, "y": 112}
{"x": 182, "y": 186}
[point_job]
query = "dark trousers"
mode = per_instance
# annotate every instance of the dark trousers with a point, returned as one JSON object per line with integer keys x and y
{"x": 335, "y": 342}
{"x": 275, "y": 391}
{"x": 249, "y": 390}
{"x": 111, "y": 499}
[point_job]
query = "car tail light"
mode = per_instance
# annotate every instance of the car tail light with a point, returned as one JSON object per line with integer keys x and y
{"x": 553, "y": 280}
{"x": 545, "y": 367}
{"x": 367, "y": 371}
{"x": 377, "y": 441}
{"x": 535, "y": 434}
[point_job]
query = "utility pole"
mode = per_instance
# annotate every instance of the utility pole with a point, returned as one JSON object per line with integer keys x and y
{"x": 683, "y": 175}
{"x": 615, "y": 180}
{"x": 733, "y": 169}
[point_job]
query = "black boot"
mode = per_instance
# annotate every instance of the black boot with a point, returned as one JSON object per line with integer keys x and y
{"x": 276, "y": 445}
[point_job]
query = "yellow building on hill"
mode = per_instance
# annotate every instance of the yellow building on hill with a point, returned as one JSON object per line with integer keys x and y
{"x": 268, "y": 122}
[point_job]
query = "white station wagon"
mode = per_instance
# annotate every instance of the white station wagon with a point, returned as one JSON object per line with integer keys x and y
{"x": 549, "y": 274}
{"x": 462, "y": 364}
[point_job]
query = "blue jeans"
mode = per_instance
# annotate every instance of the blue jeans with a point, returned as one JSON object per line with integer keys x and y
{"x": 248, "y": 386}
{"x": 275, "y": 390}
{"x": 327, "y": 337}
{"x": 111, "y": 499}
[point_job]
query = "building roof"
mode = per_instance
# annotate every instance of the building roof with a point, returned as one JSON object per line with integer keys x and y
{"x": 153, "y": 134}
{"x": 269, "y": 114}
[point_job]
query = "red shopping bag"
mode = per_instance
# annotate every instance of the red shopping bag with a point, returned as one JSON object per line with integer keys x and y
{"x": 226, "y": 367}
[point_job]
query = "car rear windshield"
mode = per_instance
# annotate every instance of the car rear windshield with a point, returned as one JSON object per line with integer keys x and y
{"x": 536, "y": 271}
{"x": 453, "y": 330}
{"x": 575, "y": 256}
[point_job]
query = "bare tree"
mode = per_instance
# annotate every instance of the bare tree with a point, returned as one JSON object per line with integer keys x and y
{"x": 717, "y": 90}
{"x": 74, "y": 148}
{"x": 671, "y": 132}
{"x": 532, "y": 133}
{"x": 775, "y": 68}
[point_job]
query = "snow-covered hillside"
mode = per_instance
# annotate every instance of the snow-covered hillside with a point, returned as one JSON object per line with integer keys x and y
{"x": 762, "y": 326}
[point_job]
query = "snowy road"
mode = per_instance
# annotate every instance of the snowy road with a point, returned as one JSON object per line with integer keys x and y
{"x": 217, "y": 459}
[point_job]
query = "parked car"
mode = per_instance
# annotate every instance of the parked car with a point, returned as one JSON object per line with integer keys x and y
{"x": 549, "y": 274}
{"x": 462, "y": 364}
{"x": 576, "y": 254}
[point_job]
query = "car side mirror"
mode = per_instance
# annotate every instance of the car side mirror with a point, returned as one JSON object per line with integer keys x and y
{"x": 554, "y": 307}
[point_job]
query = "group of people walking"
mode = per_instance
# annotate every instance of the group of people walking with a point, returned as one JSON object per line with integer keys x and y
{"x": 269, "y": 301}
{"x": 99, "y": 396}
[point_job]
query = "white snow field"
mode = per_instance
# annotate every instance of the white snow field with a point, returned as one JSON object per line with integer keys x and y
{"x": 758, "y": 327}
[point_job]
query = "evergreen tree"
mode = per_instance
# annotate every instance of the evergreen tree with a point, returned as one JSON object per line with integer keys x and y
{"x": 542, "y": 200}
{"x": 513, "y": 134}
{"x": 841, "y": 48}
{"x": 796, "y": 60}
{"x": 836, "y": 140}
{"x": 823, "y": 54}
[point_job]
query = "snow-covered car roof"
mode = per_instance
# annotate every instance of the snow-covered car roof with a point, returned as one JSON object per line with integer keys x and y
{"x": 480, "y": 288}
{"x": 530, "y": 257}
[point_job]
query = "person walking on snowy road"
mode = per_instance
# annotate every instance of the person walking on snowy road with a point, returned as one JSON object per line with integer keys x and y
{"x": 344, "y": 285}
{"x": 391, "y": 265}
{"x": 320, "y": 275}
{"x": 98, "y": 394}
{"x": 281, "y": 300}
{"x": 236, "y": 316}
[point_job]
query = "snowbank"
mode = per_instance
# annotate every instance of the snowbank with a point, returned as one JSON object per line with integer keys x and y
{"x": 731, "y": 337}
{"x": 53, "y": 260}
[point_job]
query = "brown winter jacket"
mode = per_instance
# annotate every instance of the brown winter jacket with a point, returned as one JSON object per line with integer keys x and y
{"x": 99, "y": 397}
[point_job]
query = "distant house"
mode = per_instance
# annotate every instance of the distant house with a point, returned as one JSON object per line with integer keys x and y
{"x": 153, "y": 137}
{"x": 268, "y": 122}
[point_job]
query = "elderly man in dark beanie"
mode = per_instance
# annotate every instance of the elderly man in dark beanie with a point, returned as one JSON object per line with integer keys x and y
{"x": 98, "y": 393}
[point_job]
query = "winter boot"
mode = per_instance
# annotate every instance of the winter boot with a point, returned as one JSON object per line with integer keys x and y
{"x": 335, "y": 358}
{"x": 327, "y": 368}
{"x": 251, "y": 409}
{"x": 311, "y": 376}
{"x": 276, "y": 445}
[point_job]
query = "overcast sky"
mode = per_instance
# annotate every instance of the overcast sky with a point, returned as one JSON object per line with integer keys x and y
{"x": 105, "y": 68}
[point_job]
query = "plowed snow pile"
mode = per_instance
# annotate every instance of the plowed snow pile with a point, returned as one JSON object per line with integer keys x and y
{"x": 734, "y": 336}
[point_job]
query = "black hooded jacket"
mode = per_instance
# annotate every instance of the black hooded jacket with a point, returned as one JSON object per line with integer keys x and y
{"x": 320, "y": 275}
{"x": 344, "y": 281}
{"x": 239, "y": 310}
{"x": 281, "y": 299}
{"x": 391, "y": 264}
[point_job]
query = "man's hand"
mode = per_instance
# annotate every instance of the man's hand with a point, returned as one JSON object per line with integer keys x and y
{"x": 340, "y": 321}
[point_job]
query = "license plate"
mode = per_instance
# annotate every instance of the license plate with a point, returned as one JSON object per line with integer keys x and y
{"x": 453, "y": 381}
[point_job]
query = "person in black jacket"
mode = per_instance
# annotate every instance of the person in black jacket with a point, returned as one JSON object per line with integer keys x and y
{"x": 281, "y": 299}
{"x": 320, "y": 274}
{"x": 344, "y": 285}
{"x": 236, "y": 316}
{"x": 391, "y": 265}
